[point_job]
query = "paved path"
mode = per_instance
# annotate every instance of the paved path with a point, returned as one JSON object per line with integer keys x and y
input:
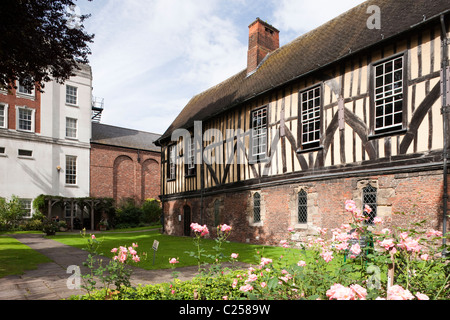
{"x": 49, "y": 280}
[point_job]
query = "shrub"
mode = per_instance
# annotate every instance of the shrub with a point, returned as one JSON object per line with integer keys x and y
{"x": 151, "y": 211}
{"x": 128, "y": 214}
{"x": 11, "y": 213}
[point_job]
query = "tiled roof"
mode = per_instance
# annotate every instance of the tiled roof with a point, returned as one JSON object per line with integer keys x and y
{"x": 123, "y": 137}
{"x": 339, "y": 38}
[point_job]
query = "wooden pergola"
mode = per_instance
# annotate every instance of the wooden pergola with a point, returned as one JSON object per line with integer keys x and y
{"x": 92, "y": 203}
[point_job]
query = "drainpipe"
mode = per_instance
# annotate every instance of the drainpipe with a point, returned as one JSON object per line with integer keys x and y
{"x": 445, "y": 111}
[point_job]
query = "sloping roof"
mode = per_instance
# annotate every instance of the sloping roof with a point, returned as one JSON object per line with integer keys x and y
{"x": 123, "y": 137}
{"x": 337, "y": 39}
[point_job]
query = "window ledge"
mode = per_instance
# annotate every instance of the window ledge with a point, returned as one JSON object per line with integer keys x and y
{"x": 301, "y": 226}
{"x": 256, "y": 224}
{"x": 387, "y": 134}
{"x": 72, "y": 105}
{"x": 299, "y": 151}
{"x": 25, "y": 158}
{"x": 71, "y": 186}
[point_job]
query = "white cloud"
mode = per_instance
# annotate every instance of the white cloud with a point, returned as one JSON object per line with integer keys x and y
{"x": 150, "y": 56}
{"x": 296, "y": 17}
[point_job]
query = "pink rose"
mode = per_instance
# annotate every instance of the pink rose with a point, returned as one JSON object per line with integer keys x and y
{"x": 225, "y": 228}
{"x": 398, "y": 293}
{"x": 301, "y": 263}
{"x": 356, "y": 249}
{"x": 350, "y": 205}
{"x": 234, "y": 255}
{"x": 421, "y": 296}
{"x": 93, "y": 237}
{"x": 265, "y": 261}
{"x": 246, "y": 288}
{"x": 114, "y": 250}
{"x": 360, "y": 291}
{"x": 327, "y": 255}
{"x": 173, "y": 261}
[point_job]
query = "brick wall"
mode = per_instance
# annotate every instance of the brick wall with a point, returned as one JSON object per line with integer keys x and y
{"x": 402, "y": 199}
{"x": 118, "y": 173}
{"x": 13, "y": 99}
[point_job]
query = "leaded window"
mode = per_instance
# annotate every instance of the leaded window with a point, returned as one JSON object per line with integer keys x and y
{"x": 310, "y": 102}
{"x": 256, "y": 207}
{"x": 302, "y": 216}
{"x": 388, "y": 95}
{"x": 370, "y": 199}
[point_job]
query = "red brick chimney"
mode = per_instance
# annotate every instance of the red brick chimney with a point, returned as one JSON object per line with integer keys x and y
{"x": 263, "y": 39}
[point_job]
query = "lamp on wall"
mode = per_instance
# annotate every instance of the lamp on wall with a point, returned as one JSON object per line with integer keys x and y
{"x": 58, "y": 168}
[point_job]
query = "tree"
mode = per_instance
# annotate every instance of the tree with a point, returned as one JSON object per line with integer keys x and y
{"x": 39, "y": 41}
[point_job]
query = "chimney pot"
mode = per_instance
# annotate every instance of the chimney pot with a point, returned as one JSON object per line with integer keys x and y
{"x": 263, "y": 39}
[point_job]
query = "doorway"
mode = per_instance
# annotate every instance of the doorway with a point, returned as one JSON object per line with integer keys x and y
{"x": 187, "y": 220}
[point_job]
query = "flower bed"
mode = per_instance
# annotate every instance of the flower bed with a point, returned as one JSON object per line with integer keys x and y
{"x": 353, "y": 262}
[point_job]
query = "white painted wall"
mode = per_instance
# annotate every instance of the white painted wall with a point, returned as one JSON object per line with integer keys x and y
{"x": 28, "y": 177}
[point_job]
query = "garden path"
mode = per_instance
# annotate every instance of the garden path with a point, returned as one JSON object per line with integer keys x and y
{"x": 49, "y": 280}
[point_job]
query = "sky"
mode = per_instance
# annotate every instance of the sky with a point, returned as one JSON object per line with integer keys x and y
{"x": 150, "y": 57}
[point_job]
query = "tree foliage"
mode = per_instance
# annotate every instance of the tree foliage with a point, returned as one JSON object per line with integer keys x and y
{"x": 39, "y": 41}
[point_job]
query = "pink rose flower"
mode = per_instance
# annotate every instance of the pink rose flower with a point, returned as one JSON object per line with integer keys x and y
{"x": 246, "y": 288}
{"x": 356, "y": 249}
{"x": 327, "y": 255}
{"x": 421, "y": 296}
{"x": 225, "y": 228}
{"x": 234, "y": 255}
{"x": 350, "y": 205}
{"x": 173, "y": 261}
{"x": 398, "y": 293}
{"x": 301, "y": 263}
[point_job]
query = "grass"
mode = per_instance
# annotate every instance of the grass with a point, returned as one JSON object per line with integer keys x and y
{"x": 169, "y": 247}
{"x": 16, "y": 257}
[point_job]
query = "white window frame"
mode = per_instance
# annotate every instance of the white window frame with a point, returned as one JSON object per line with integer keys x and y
{"x": 310, "y": 116}
{"x": 259, "y": 123}
{"x": 21, "y": 91}
{"x": 4, "y": 115}
{"x": 172, "y": 162}
{"x": 71, "y": 170}
{"x": 388, "y": 95}
{"x": 71, "y": 131}
{"x": 32, "y": 125}
{"x": 70, "y": 95}
{"x": 28, "y": 208}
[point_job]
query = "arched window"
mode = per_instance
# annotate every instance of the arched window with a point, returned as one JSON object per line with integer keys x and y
{"x": 370, "y": 199}
{"x": 256, "y": 207}
{"x": 302, "y": 207}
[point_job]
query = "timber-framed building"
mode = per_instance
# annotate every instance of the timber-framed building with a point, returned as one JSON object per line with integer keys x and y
{"x": 350, "y": 110}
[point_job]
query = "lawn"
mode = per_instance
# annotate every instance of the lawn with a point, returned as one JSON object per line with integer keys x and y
{"x": 170, "y": 247}
{"x": 16, "y": 257}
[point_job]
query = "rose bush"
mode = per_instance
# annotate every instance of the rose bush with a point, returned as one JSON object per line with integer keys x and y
{"x": 351, "y": 262}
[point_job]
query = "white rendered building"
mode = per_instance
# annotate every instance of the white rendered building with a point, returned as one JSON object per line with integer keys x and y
{"x": 45, "y": 139}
